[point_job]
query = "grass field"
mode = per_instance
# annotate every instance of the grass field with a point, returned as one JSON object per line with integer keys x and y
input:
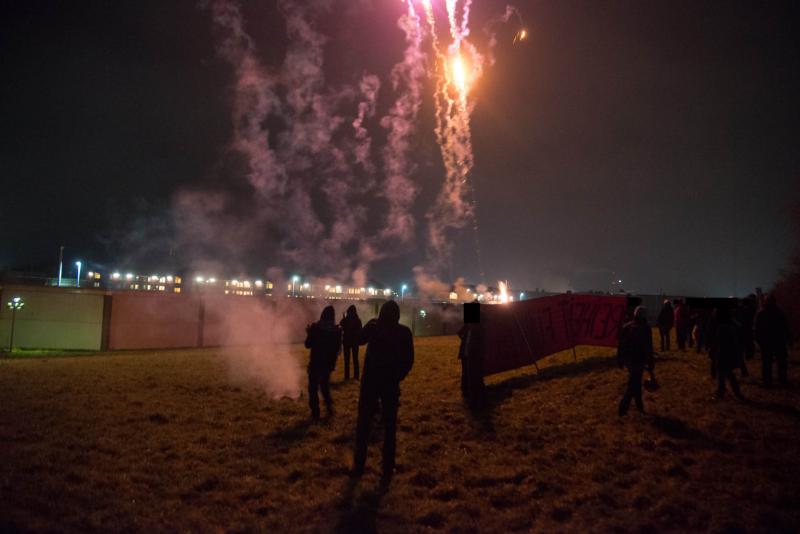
{"x": 163, "y": 441}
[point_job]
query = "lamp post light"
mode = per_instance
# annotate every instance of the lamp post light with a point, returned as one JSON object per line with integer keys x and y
{"x": 295, "y": 279}
{"x": 78, "y": 278}
{"x": 403, "y": 292}
{"x": 15, "y": 304}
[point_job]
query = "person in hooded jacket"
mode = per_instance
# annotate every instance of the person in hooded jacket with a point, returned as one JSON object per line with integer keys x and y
{"x": 324, "y": 338}
{"x": 726, "y": 352}
{"x": 666, "y": 319}
{"x": 635, "y": 352}
{"x": 351, "y": 331}
{"x": 389, "y": 358}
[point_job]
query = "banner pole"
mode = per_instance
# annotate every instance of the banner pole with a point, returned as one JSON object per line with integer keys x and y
{"x": 522, "y": 331}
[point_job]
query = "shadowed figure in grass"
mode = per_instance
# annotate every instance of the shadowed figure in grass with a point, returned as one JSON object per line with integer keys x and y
{"x": 324, "y": 338}
{"x": 772, "y": 335}
{"x": 389, "y": 358}
{"x": 635, "y": 352}
{"x": 351, "y": 331}
{"x": 726, "y": 353}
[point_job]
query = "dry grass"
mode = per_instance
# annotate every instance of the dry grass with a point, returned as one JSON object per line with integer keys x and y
{"x": 163, "y": 441}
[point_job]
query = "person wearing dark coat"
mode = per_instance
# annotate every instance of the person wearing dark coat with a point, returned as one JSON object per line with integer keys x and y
{"x": 666, "y": 320}
{"x": 388, "y": 359}
{"x": 701, "y": 326}
{"x": 746, "y": 317}
{"x": 470, "y": 353}
{"x": 726, "y": 353}
{"x": 635, "y": 352}
{"x": 681, "y": 323}
{"x": 772, "y": 335}
{"x": 324, "y": 338}
{"x": 351, "y": 331}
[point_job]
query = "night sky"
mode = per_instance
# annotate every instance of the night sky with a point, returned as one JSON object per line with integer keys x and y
{"x": 653, "y": 142}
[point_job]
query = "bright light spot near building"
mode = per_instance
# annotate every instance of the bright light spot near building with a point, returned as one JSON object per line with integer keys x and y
{"x": 169, "y": 279}
{"x": 423, "y": 313}
{"x": 199, "y": 279}
{"x": 212, "y": 280}
{"x": 115, "y": 276}
{"x": 259, "y": 283}
{"x": 453, "y": 295}
{"x": 338, "y": 289}
{"x": 129, "y": 276}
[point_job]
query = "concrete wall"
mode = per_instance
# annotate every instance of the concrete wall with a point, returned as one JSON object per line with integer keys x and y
{"x": 67, "y": 319}
{"x": 62, "y": 318}
{"x": 151, "y": 320}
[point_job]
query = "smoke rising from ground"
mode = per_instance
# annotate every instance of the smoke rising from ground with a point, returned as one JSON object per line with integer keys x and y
{"x": 312, "y": 186}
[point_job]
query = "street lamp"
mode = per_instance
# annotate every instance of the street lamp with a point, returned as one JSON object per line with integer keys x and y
{"x": 15, "y": 304}
{"x": 295, "y": 279}
{"x": 78, "y": 278}
{"x": 403, "y": 292}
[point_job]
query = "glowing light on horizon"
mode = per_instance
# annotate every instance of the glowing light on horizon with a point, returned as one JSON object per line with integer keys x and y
{"x": 503, "y": 297}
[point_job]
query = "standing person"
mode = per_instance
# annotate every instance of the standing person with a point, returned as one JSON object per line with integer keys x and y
{"x": 351, "y": 331}
{"x": 635, "y": 352}
{"x": 746, "y": 317}
{"x": 772, "y": 336}
{"x": 324, "y": 338}
{"x": 701, "y": 327}
{"x": 726, "y": 353}
{"x": 681, "y": 323}
{"x": 470, "y": 353}
{"x": 389, "y": 358}
{"x": 666, "y": 320}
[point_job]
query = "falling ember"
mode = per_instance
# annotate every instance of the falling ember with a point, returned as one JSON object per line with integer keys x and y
{"x": 521, "y": 35}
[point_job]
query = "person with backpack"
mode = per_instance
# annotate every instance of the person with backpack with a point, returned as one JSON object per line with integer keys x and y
{"x": 324, "y": 338}
{"x": 389, "y": 358}
{"x": 635, "y": 353}
{"x": 351, "y": 331}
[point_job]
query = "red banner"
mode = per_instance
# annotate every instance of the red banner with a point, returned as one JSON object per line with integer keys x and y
{"x": 596, "y": 319}
{"x": 521, "y": 333}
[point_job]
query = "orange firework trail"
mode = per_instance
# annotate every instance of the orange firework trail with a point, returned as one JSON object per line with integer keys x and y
{"x": 458, "y": 66}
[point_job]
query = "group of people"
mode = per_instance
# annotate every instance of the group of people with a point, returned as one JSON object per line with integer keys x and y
{"x": 729, "y": 335}
{"x": 388, "y": 360}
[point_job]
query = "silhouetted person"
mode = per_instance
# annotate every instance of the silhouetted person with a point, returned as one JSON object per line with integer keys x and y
{"x": 746, "y": 317}
{"x": 701, "y": 329}
{"x": 635, "y": 353}
{"x": 470, "y": 352}
{"x": 681, "y": 323}
{"x": 772, "y": 336}
{"x": 389, "y": 358}
{"x": 666, "y": 320}
{"x": 324, "y": 338}
{"x": 351, "y": 331}
{"x": 726, "y": 352}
